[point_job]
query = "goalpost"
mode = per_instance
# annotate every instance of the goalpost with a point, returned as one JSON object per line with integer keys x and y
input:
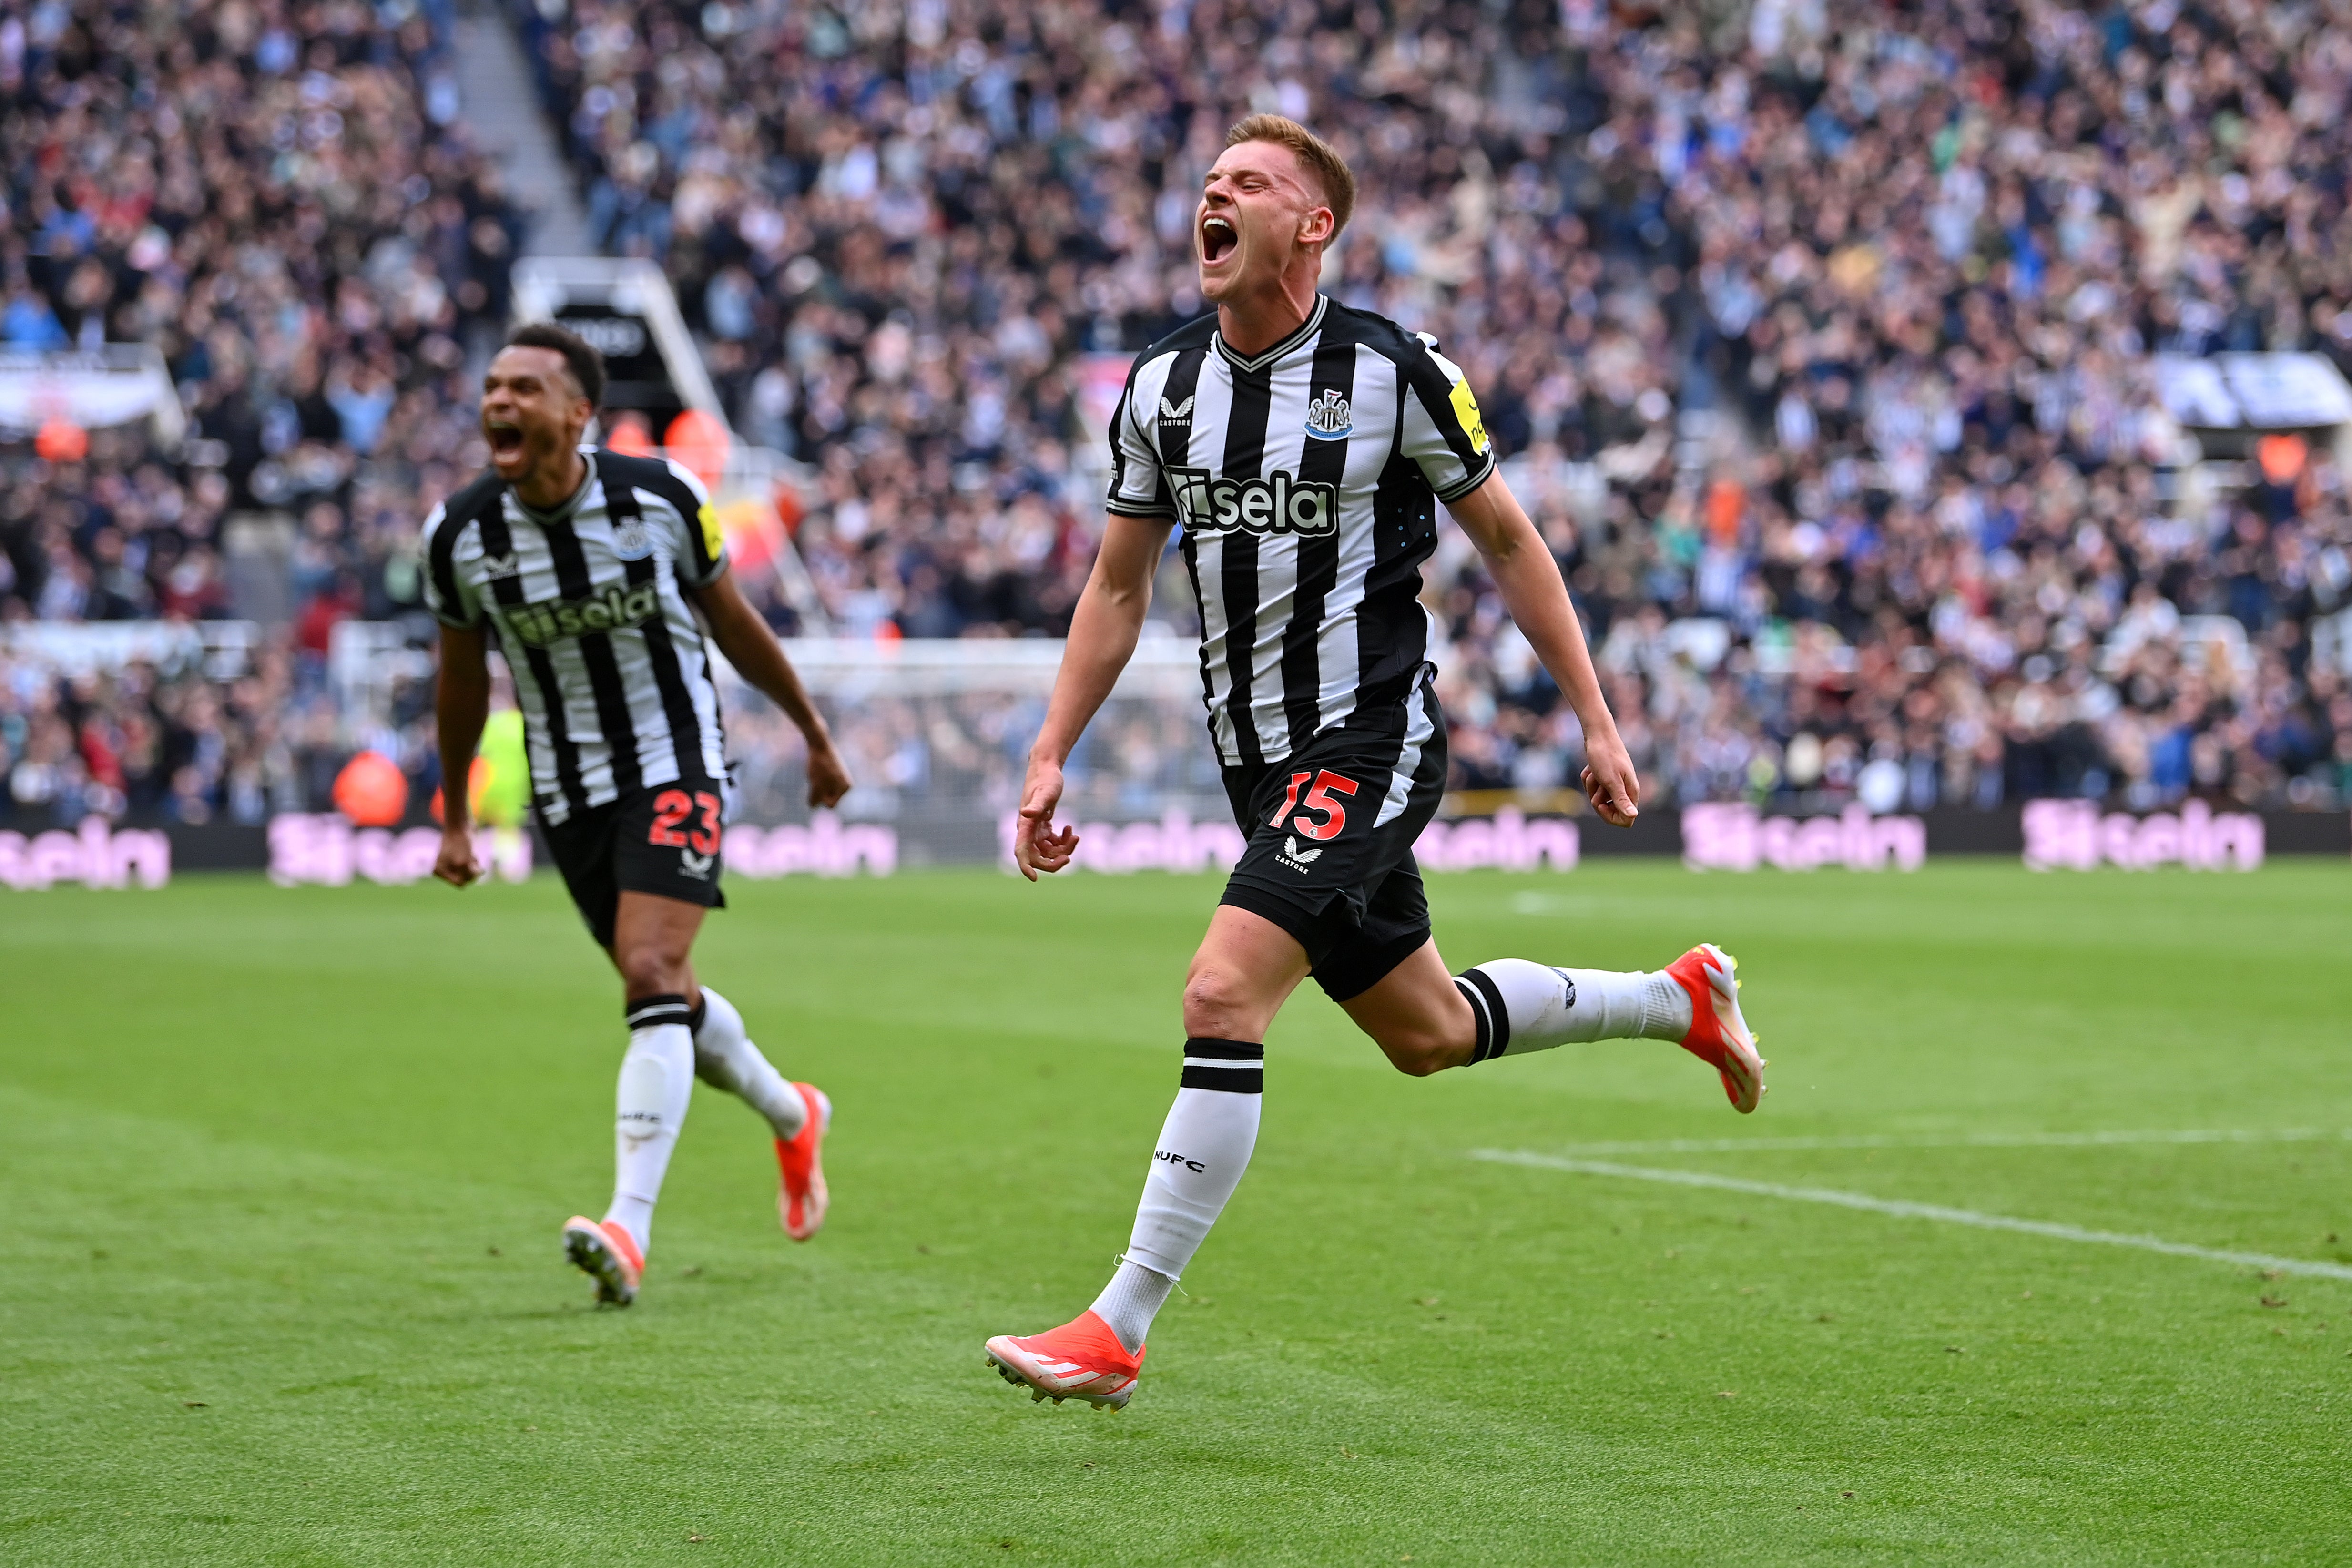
{"x": 936, "y": 736}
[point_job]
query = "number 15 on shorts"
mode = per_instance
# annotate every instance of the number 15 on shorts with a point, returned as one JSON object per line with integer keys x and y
{"x": 1318, "y": 816}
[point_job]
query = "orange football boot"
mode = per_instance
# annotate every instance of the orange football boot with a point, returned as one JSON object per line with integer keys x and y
{"x": 1080, "y": 1359}
{"x": 1718, "y": 1035}
{"x": 801, "y": 1195}
{"x": 606, "y": 1253}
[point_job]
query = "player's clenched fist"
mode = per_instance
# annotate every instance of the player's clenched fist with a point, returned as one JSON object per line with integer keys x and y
{"x": 1037, "y": 846}
{"x": 456, "y": 863}
{"x": 828, "y": 776}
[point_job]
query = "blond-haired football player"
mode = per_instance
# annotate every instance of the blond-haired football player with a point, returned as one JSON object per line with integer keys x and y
{"x": 1302, "y": 449}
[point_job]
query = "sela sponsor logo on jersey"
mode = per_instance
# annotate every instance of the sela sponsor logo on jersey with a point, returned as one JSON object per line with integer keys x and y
{"x": 614, "y": 609}
{"x": 1212, "y": 503}
{"x": 1175, "y": 1159}
{"x": 1328, "y": 418}
{"x": 631, "y": 542}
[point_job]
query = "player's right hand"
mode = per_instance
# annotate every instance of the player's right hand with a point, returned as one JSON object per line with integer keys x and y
{"x": 456, "y": 863}
{"x": 1037, "y": 846}
{"x": 1611, "y": 782}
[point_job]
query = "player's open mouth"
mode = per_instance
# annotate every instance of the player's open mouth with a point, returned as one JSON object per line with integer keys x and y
{"x": 506, "y": 438}
{"x": 1217, "y": 238}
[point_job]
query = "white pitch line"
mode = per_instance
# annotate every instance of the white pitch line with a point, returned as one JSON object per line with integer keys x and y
{"x": 1971, "y": 1141}
{"x": 1902, "y": 1210}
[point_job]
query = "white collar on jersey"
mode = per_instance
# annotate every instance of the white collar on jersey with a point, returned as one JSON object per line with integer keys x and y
{"x": 1259, "y": 362}
{"x": 569, "y": 507}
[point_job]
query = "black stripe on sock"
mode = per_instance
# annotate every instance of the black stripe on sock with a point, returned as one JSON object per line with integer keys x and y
{"x": 1478, "y": 1016}
{"x": 701, "y": 1011}
{"x": 1230, "y": 1081}
{"x": 1495, "y": 1012}
{"x": 1225, "y": 1050}
{"x": 646, "y": 1011}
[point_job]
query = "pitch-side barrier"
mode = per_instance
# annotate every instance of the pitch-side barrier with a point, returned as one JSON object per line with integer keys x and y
{"x": 299, "y": 848}
{"x": 937, "y": 734}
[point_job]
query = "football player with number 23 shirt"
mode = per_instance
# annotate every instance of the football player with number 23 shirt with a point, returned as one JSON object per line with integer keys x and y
{"x": 1302, "y": 447}
{"x": 595, "y": 572}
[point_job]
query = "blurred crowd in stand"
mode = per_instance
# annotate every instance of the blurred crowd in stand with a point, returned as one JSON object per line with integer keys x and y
{"x": 1928, "y": 541}
{"x": 1816, "y": 335}
{"x": 277, "y": 197}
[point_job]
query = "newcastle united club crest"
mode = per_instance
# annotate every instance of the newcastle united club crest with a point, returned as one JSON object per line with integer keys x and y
{"x": 1328, "y": 417}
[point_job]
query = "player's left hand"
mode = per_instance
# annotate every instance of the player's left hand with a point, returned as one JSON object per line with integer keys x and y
{"x": 1037, "y": 845}
{"x": 1609, "y": 781}
{"x": 828, "y": 776}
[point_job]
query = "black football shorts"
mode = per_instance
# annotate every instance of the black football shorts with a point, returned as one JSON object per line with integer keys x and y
{"x": 663, "y": 839}
{"x": 1332, "y": 829}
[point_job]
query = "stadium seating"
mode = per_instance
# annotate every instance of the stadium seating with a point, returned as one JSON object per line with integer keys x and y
{"x": 1822, "y": 348}
{"x": 1923, "y": 260}
{"x": 290, "y": 212}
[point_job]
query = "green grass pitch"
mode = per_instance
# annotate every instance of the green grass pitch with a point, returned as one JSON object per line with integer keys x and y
{"x": 283, "y": 1171}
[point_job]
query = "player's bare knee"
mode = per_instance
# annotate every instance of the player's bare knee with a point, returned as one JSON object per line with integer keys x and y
{"x": 1218, "y": 1007}
{"x": 1419, "y": 1053}
{"x": 649, "y": 969}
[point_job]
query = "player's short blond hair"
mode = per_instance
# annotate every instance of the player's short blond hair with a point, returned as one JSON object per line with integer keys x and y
{"x": 1323, "y": 161}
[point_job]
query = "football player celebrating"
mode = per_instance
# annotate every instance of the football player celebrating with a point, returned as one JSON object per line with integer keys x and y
{"x": 587, "y": 567}
{"x": 1301, "y": 446}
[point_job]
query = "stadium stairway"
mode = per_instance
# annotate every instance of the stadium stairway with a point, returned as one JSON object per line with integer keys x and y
{"x": 502, "y": 106}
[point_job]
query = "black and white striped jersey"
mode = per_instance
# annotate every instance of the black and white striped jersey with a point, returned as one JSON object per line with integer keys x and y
{"x": 608, "y": 659}
{"x": 1305, "y": 479}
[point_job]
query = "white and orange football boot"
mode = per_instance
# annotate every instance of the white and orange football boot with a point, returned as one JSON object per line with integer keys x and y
{"x": 801, "y": 1195}
{"x": 606, "y": 1253}
{"x": 1718, "y": 1035}
{"x": 1080, "y": 1359}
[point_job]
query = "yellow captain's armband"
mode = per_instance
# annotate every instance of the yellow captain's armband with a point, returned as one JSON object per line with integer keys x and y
{"x": 1465, "y": 409}
{"x": 714, "y": 541}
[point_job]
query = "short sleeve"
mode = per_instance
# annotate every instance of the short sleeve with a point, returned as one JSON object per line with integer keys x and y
{"x": 1442, "y": 429}
{"x": 1137, "y": 486}
{"x": 702, "y": 545}
{"x": 445, "y": 594}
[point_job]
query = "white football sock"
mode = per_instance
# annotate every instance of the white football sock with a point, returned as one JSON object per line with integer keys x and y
{"x": 1523, "y": 1006}
{"x": 1132, "y": 1299}
{"x": 649, "y": 1108}
{"x": 1204, "y": 1146}
{"x": 725, "y": 1058}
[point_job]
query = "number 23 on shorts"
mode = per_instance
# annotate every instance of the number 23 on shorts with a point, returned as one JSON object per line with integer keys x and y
{"x": 673, "y": 806}
{"x": 1333, "y": 815}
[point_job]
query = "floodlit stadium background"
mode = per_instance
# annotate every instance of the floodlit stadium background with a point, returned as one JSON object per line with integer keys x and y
{"x": 1934, "y": 413}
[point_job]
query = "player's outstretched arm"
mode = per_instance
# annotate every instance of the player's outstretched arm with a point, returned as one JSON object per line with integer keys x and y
{"x": 1532, "y": 590}
{"x": 461, "y": 706}
{"x": 1103, "y": 629}
{"x": 759, "y": 658}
